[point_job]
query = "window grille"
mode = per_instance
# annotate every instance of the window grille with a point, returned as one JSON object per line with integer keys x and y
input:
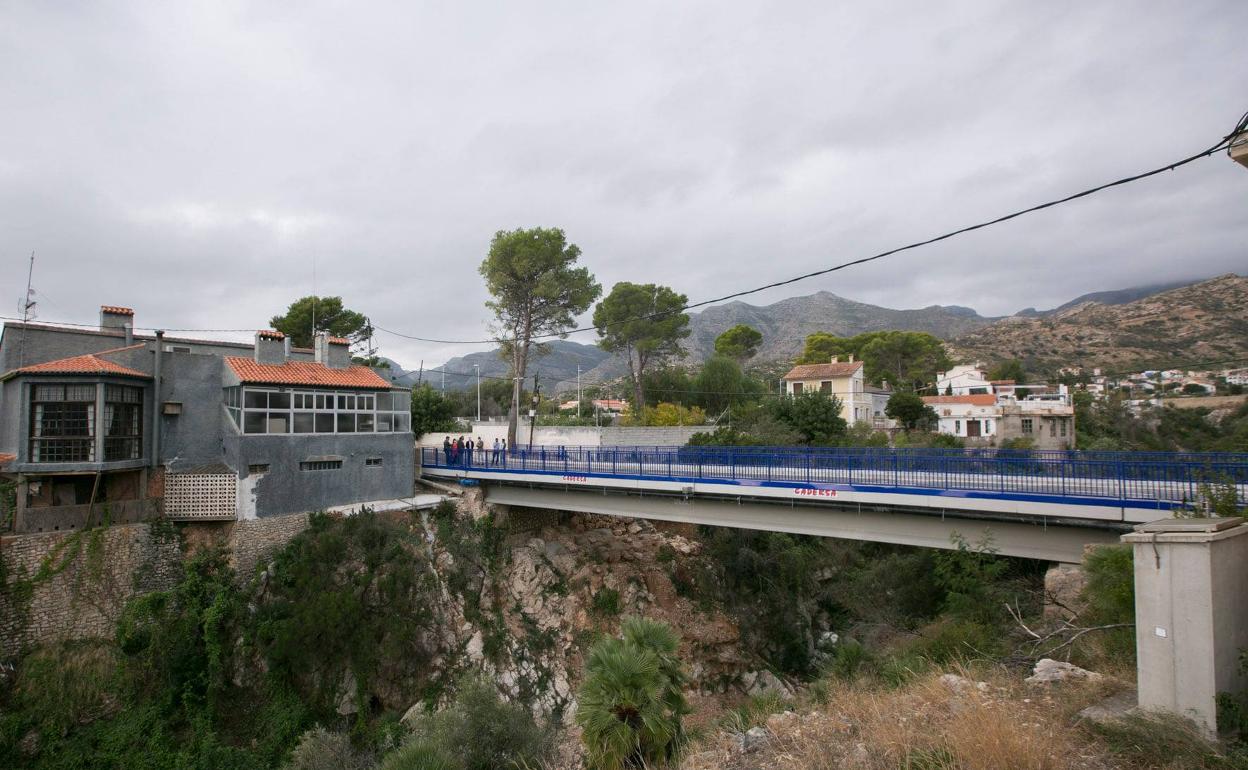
{"x": 320, "y": 465}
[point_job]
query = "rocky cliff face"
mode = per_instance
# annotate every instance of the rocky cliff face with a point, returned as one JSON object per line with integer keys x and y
{"x": 563, "y": 582}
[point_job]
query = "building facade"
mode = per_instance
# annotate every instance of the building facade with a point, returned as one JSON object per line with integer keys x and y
{"x": 984, "y": 419}
{"x": 106, "y": 425}
{"x": 842, "y": 379}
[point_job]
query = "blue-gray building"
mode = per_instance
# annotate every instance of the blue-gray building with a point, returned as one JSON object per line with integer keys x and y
{"x": 106, "y": 423}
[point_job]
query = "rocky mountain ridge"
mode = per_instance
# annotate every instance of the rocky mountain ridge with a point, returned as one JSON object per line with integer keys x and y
{"x": 1200, "y": 324}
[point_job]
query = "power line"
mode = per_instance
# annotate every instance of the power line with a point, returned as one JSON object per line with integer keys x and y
{"x": 1223, "y": 144}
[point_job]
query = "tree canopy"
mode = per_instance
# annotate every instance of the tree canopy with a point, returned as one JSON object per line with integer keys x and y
{"x": 906, "y": 359}
{"x": 721, "y": 384}
{"x": 537, "y": 290}
{"x": 740, "y": 343}
{"x": 331, "y": 316}
{"x": 644, "y": 324}
{"x": 815, "y": 417}
{"x": 907, "y": 408}
{"x": 1008, "y": 370}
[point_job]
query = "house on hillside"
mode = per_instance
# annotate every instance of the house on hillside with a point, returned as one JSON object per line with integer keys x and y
{"x": 843, "y": 379}
{"x": 964, "y": 380}
{"x": 105, "y": 423}
{"x": 986, "y": 419}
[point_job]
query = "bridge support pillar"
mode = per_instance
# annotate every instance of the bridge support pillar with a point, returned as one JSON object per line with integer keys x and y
{"x": 1190, "y": 615}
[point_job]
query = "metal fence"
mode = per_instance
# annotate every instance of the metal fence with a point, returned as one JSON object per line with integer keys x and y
{"x": 1173, "y": 477}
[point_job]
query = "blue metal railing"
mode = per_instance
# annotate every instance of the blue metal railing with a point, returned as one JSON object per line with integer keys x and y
{"x": 1164, "y": 477}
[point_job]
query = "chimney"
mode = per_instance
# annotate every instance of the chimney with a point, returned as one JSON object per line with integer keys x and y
{"x": 851, "y": 358}
{"x": 334, "y": 352}
{"x": 270, "y": 347}
{"x": 113, "y": 318}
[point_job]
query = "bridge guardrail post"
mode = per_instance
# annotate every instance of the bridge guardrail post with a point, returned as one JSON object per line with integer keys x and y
{"x": 1122, "y": 482}
{"x": 896, "y": 472}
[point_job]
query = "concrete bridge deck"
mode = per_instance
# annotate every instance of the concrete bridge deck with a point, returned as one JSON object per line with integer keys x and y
{"x": 1035, "y": 504}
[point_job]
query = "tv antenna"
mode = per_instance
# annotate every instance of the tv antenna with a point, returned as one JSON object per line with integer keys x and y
{"x": 28, "y": 311}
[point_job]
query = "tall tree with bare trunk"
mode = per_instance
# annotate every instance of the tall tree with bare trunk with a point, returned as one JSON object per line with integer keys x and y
{"x": 537, "y": 291}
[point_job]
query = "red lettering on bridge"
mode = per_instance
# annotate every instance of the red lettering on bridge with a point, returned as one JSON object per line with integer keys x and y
{"x": 815, "y": 492}
{"x": 576, "y": 478}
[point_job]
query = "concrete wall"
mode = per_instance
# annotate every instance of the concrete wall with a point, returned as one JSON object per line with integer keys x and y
{"x": 1191, "y": 620}
{"x": 287, "y": 489}
{"x": 196, "y": 436}
{"x": 103, "y": 569}
{"x": 555, "y": 435}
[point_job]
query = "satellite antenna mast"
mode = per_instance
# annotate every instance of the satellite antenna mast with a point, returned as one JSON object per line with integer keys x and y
{"x": 28, "y": 305}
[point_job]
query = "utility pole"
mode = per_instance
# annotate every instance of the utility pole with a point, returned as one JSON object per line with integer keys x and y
{"x": 444, "y": 379}
{"x": 478, "y": 368}
{"x": 537, "y": 396}
{"x": 578, "y": 391}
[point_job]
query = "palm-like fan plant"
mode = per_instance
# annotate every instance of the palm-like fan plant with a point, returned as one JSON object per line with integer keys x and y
{"x": 631, "y": 703}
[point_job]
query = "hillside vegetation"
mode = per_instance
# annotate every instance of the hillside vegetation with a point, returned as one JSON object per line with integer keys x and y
{"x": 1204, "y": 322}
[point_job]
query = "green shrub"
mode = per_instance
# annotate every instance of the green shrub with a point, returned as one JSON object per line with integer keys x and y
{"x": 753, "y": 712}
{"x": 849, "y": 660}
{"x": 320, "y": 749}
{"x": 606, "y": 603}
{"x": 951, "y": 639}
{"x": 419, "y": 756}
{"x": 477, "y": 731}
{"x": 631, "y": 703}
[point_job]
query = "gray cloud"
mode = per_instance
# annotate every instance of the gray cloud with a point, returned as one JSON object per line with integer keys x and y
{"x": 194, "y": 160}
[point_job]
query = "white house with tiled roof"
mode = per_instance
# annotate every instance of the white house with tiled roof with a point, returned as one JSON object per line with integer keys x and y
{"x": 843, "y": 379}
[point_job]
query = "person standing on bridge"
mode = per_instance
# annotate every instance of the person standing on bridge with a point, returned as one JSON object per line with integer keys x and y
{"x": 468, "y": 453}
{"x": 494, "y": 454}
{"x": 455, "y": 445}
{"x": 504, "y": 453}
{"x": 446, "y": 449}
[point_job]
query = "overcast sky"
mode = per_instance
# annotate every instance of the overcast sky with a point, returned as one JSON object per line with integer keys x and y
{"x": 192, "y": 160}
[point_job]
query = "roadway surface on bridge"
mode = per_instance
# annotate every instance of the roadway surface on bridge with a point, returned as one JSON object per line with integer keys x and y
{"x": 1094, "y": 487}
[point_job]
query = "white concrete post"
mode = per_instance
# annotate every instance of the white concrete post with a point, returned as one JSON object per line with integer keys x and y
{"x": 1190, "y": 613}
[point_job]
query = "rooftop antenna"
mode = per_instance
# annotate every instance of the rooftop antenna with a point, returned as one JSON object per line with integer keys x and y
{"x": 28, "y": 306}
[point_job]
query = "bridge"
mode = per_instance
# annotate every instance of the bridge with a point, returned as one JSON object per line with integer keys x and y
{"x": 1031, "y": 503}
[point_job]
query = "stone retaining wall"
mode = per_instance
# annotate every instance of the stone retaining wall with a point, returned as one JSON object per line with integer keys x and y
{"x": 88, "y": 576}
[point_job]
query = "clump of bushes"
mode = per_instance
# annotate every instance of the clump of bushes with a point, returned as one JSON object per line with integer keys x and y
{"x": 477, "y": 731}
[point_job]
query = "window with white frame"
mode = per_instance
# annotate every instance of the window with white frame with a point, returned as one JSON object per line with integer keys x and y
{"x": 257, "y": 410}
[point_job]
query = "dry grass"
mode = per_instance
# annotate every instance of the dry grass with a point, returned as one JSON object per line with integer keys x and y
{"x": 926, "y": 725}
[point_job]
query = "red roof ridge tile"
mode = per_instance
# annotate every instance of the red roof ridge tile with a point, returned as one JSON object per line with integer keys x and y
{"x": 306, "y": 373}
{"x": 117, "y": 309}
{"x": 339, "y": 341}
{"x": 87, "y": 363}
{"x": 271, "y": 333}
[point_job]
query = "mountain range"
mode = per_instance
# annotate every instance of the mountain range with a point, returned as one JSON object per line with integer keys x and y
{"x": 1106, "y": 328}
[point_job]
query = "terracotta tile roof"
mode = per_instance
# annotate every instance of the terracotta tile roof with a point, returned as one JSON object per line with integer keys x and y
{"x": 1001, "y": 382}
{"x": 6, "y": 458}
{"x": 339, "y": 341}
{"x": 305, "y": 373}
{"x": 88, "y": 364}
{"x": 271, "y": 334}
{"x": 817, "y": 371}
{"x": 974, "y": 399}
{"x": 116, "y": 310}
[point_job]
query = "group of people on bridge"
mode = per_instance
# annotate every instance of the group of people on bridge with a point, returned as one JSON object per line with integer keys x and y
{"x": 461, "y": 450}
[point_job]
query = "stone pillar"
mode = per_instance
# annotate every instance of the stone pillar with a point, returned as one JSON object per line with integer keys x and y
{"x": 1190, "y": 615}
